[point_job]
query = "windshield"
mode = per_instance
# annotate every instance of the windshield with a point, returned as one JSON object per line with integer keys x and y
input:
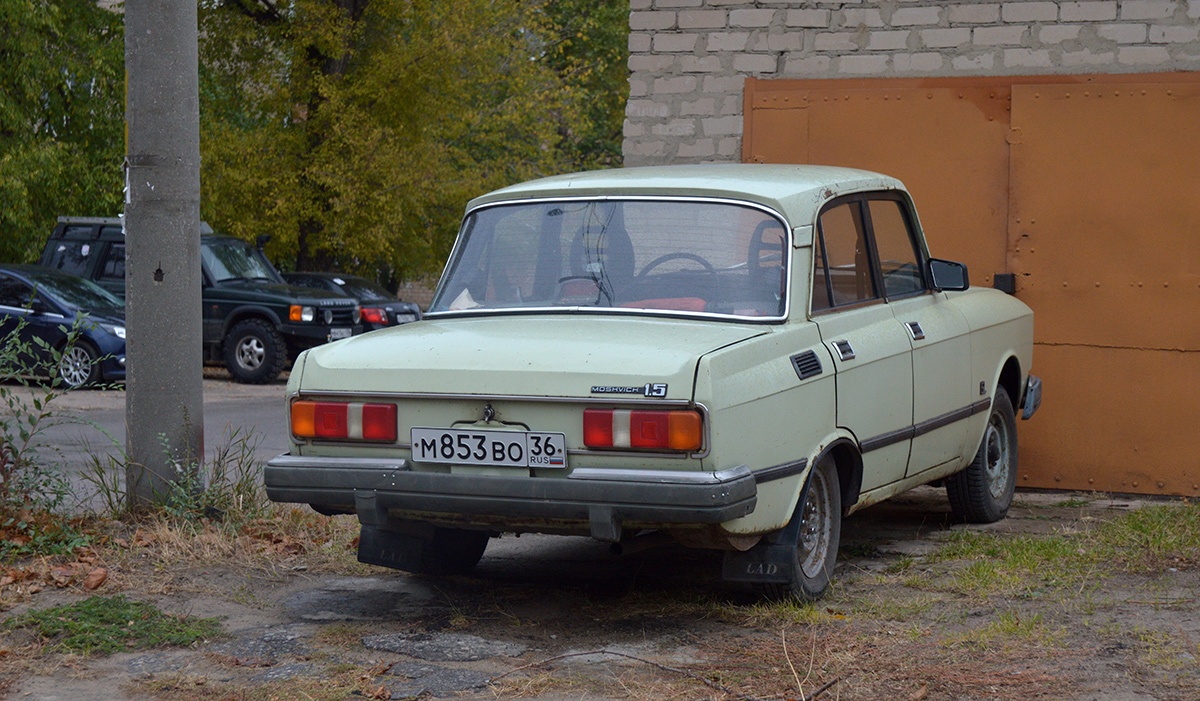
{"x": 232, "y": 261}
{"x": 77, "y": 293}
{"x": 684, "y": 256}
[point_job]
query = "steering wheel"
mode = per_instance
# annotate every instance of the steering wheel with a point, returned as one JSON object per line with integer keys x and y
{"x": 708, "y": 267}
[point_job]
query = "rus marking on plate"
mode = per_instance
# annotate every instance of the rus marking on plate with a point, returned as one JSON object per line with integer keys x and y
{"x": 650, "y": 389}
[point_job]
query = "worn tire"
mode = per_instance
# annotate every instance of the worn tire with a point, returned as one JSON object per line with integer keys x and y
{"x": 79, "y": 365}
{"x": 254, "y": 352}
{"x": 983, "y": 492}
{"x": 820, "y": 532}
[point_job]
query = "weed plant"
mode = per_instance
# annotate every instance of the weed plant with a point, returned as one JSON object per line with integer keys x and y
{"x": 34, "y": 492}
{"x": 227, "y": 489}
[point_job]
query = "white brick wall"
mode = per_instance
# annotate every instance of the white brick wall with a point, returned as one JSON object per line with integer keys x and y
{"x": 689, "y": 58}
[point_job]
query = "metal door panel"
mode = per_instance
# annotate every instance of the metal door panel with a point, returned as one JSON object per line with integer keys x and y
{"x": 874, "y": 388}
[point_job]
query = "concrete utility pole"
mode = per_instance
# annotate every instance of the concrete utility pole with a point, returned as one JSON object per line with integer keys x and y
{"x": 164, "y": 406}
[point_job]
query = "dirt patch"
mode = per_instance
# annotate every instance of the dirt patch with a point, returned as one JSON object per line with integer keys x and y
{"x": 914, "y": 614}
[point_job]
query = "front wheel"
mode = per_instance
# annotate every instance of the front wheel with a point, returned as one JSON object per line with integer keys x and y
{"x": 814, "y": 551}
{"x": 254, "y": 352}
{"x": 983, "y": 492}
{"x": 79, "y": 365}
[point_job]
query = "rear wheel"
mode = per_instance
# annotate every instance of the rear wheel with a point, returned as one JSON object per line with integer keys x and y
{"x": 983, "y": 492}
{"x": 814, "y": 552}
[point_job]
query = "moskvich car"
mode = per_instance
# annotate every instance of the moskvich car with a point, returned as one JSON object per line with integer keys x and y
{"x": 738, "y": 356}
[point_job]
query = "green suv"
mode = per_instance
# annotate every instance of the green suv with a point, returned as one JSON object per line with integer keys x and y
{"x": 253, "y": 320}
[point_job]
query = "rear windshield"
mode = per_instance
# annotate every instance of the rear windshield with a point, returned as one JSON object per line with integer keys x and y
{"x": 362, "y": 289}
{"x": 677, "y": 256}
{"x": 71, "y": 256}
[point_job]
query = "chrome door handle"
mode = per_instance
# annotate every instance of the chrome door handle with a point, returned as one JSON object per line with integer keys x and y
{"x": 844, "y": 349}
{"x": 915, "y": 330}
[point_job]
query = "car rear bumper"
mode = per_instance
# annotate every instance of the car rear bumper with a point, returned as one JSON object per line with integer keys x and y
{"x": 601, "y": 498}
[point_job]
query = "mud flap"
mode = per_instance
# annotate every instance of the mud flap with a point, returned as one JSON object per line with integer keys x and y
{"x": 398, "y": 551}
{"x": 772, "y": 559}
{"x": 386, "y": 542}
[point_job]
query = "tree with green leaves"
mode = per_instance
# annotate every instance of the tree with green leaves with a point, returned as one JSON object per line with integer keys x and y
{"x": 354, "y": 132}
{"x": 62, "y": 113}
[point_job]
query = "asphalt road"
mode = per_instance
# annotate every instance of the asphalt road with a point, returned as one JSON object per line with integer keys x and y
{"x": 90, "y": 424}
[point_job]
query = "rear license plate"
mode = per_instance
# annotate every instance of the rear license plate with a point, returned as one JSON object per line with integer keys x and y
{"x": 335, "y": 334}
{"x": 507, "y": 448}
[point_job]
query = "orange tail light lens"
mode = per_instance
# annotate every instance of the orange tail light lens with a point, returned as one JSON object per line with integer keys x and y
{"x": 344, "y": 421}
{"x": 636, "y": 429}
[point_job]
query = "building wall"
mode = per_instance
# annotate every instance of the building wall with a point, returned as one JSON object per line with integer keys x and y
{"x": 689, "y": 58}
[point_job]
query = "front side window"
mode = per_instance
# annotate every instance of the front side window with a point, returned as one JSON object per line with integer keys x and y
{"x": 680, "y": 256}
{"x": 898, "y": 260}
{"x": 14, "y": 293}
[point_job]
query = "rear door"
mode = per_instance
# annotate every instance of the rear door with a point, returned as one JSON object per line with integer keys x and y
{"x": 870, "y": 350}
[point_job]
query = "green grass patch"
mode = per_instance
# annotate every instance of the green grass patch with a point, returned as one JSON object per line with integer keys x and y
{"x": 107, "y": 624}
{"x": 1009, "y": 628}
{"x": 1143, "y": 541}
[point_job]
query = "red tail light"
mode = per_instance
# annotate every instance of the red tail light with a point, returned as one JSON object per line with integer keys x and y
{"x": 374, "y": 316}
{"x": 654, "y": 430}
{"x": 344, "y": 421}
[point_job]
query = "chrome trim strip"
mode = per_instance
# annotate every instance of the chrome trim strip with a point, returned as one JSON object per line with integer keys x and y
{"x": 608, "y": 474}
{"x": 779, "y": 472}
{"x": 383, "y": 464}
{"x": 927, "y": 426}
{"x": 608, "y": 399}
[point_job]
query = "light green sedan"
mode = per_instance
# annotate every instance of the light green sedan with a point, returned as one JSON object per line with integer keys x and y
{"x": 739, "y": 356}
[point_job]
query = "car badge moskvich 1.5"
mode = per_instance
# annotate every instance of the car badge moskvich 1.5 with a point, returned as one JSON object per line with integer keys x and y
{"x": 650, "y": 389}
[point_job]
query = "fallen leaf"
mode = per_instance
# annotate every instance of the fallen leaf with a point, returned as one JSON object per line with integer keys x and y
{"x": 62, "y": 576}
{"x": 919, "y": 694}
{"x": 96, "y": 578}
{"x": 5, "y": 581}
{"x": 34, "y": 588}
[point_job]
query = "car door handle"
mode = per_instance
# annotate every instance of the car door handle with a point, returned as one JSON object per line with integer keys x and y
{"x": 844, "y": 349}
{"x": 915, "y": 330}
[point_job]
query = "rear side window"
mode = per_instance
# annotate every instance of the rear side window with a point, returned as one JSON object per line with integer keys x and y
{"x": 114, "y": 264}
{"x": 71, "y": 256}
{"x": 842, "y": 274}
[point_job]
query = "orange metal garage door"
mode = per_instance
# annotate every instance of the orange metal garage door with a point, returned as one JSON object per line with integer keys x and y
{"x": 1087, "y": 189}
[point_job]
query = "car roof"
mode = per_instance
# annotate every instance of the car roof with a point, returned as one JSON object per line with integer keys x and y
{"x": 795, "y": 191}
{"x": 33, "y": 272}
{"x": 103, "y": 226}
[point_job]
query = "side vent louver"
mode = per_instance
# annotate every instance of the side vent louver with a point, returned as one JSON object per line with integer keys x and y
{"x": 807, "y": 364}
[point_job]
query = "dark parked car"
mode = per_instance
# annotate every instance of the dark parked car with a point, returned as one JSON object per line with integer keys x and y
{"x": 49, "y": 302}
{"x": 253, "y": 320}
{"x": 380, "y": 308}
